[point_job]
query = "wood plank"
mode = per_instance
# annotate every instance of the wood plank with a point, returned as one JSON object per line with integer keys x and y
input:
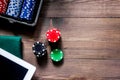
{"x": 81, "y": 8}
{"x": 84, "y": 29}
{"x": 100, "y": 50}
{"x": 80, "y": 68}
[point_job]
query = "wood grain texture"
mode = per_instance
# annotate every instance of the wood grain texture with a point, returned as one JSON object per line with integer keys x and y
{"x": 81, "y": 8}
{"x": 90, "y": 40}
{"x": 91, "y": 47}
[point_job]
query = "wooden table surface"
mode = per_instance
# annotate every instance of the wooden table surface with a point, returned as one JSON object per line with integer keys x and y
{"x": 90, "y": 40}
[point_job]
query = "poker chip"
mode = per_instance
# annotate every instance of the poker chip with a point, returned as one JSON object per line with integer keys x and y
{"x": 14, "y": 8}
{"x": 39, "y": 49}
{"x": 53, "y": 35}
{"x": 27, "y": 9}
{"x": 56, "y": 55}
{"x": 3, "y": 5}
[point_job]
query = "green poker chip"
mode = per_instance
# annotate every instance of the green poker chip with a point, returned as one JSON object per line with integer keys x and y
{"x": 56, "y": 55}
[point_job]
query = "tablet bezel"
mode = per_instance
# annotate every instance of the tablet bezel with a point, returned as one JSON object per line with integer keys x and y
{"x": 23, "y": 63}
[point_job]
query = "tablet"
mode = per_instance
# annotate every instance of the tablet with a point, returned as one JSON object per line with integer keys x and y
{"x": 14, "y": 68}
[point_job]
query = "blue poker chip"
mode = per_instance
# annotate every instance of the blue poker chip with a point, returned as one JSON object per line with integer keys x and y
{"x": 14, "y": 8}
{"x": 39, "y": 49}
{"x": 27, "y": 9}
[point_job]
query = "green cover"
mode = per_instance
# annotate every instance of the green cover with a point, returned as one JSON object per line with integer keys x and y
{"x": 11, "y": 44}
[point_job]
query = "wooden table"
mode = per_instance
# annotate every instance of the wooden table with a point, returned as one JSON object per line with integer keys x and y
{"x": 90, "y": 40}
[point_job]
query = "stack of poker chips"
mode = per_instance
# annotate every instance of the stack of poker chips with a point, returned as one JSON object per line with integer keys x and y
{"x": 21, "y": 9}
{"x": 39, "y": 49}
{"x": 14, "y": 8}
{"x": 53, "y": 36}
{"x": 3, "y": 6}
{"x": 27, "y": 9}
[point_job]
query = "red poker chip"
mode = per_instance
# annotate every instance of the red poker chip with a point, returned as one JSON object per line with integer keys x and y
{"x": 3, "y": 5}
{"x": 53, "y": 35}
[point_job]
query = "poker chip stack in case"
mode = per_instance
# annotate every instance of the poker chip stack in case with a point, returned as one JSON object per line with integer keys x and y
{"x": 27, "y": 9}
{"x": 14, "y": 8}
{"x": 3, "y": 6}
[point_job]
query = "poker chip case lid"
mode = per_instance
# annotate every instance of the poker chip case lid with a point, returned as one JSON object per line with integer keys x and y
{"x": 24, "y": 12}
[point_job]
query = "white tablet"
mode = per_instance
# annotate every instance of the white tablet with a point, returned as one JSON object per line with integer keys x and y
{"x": 14, "y": 68}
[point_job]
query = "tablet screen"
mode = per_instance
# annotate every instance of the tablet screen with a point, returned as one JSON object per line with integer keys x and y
{"x": 10, "y": 70}
{"x": 14, "y": 69}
